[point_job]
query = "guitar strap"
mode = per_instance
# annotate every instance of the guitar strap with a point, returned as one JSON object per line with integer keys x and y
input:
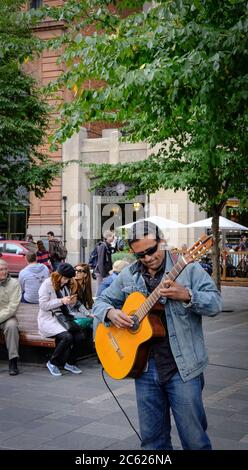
{"x": 174, "y": 258}
{"x": 159, "y": 307}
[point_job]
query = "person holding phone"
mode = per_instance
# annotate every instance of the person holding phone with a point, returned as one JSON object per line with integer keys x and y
{"x": 56, "y": 297}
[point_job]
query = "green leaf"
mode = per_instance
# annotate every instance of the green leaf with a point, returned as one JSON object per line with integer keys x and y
{"x": 23, "y": 112}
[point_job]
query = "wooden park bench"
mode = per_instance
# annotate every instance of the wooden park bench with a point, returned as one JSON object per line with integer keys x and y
{"x": 29, "y": 335}
{"x": 27, "y": 322}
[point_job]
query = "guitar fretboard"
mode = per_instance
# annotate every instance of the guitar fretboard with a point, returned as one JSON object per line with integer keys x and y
{"x": 194, "y": 253}
{"x": 155, "y": 295}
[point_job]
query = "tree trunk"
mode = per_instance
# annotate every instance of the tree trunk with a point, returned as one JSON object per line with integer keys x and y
{"x": 216, "y": 249}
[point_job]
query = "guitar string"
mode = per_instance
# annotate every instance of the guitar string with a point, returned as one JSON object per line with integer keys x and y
{"x": 153, "y": 298}
{"x": 195, "y": 252}
{"x": 142, "y": 311}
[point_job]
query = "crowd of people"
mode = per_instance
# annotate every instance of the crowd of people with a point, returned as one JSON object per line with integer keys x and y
{"x": 58, "y": 289}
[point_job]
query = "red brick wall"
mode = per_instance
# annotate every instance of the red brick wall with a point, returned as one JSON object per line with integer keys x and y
{"x": 48, "y": 210}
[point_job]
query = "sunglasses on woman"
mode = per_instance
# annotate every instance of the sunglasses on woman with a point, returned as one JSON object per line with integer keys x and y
{"x": 81, "y": 271}
{"x": 148, "y": 252}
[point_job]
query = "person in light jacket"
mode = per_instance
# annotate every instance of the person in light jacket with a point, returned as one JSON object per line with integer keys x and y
{"x": 54, "y": 296}
{"x": 31, "y": 278}
{"x": 10, "y": 296}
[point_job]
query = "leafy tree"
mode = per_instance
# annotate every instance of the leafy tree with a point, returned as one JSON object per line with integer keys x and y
{"x": 174, "y": 75}
{"x": 23, "y": 112}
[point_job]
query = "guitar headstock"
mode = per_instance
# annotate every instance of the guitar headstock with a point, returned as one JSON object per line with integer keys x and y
{"x": 200, "y": 247}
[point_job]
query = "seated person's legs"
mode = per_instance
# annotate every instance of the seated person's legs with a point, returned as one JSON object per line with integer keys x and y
{"x": 11, "y": 334}
{"x": 75, "y": 352}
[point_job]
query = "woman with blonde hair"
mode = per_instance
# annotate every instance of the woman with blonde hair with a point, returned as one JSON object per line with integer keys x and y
{"x": 56, "y": 297}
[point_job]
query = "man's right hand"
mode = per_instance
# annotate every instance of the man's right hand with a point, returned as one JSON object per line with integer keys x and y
{"x": 119, "y": 318}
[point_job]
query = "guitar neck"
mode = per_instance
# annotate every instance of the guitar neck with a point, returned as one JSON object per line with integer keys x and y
{"x": 194, "y": 253}
{"x": 155, "y": 295}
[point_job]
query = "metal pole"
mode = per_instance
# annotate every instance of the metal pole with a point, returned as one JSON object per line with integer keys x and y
{"x": 81, "y": 252}
{"x": 65, "y": 210}
{"x": 83, "y": 231}
{"x": 147, "y": 206}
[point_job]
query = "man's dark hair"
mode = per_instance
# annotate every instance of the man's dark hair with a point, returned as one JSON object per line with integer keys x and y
{"x": 31, "y": 257}
{"x": 141, "y": 229}
{"x": 50, "y": 233}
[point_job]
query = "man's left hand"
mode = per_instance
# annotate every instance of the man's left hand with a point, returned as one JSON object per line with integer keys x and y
{"x": 173, "y": 290}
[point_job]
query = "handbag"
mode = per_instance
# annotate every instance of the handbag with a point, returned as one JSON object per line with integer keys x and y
{"x": 65, "y": 318}
{"x": 82, "y": 316}
{"x": 85, "y": 322}
{"x": 67, "y": 321}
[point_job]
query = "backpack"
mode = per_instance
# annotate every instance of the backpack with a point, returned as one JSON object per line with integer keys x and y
{"x": 93, "y": 258}
{"x": 57, "y": 250}
{"x": 120, "y": 245}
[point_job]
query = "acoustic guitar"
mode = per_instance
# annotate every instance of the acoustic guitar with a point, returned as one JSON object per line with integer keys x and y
{"x": 123, "y": 352}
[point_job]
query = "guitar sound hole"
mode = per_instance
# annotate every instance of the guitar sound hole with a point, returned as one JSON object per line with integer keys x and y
{"x": 136, "y": 323}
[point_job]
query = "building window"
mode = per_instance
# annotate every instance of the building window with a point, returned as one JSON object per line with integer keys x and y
{"x": 35, "y": 4}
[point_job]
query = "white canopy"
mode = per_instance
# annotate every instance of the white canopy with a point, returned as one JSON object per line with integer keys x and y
{"x": 161, "y": 222}
{"x": 225, "y": 224}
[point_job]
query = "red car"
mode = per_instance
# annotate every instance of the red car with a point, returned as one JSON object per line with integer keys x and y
{"x": 14, "y": 253}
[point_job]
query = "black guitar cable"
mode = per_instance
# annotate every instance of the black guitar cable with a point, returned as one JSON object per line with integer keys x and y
{"x": 113, "y": 395}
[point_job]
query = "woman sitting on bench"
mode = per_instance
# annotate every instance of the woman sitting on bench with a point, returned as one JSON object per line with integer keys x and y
{"x": 55, "y": 297}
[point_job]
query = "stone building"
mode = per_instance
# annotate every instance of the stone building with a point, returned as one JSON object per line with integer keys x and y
{"x": 89, "y": 213}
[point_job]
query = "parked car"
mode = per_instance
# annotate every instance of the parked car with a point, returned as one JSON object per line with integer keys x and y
{"x": 14, "y": 253}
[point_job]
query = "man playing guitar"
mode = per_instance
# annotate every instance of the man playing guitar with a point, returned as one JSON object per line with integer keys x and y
{"x": 173, "y": 377}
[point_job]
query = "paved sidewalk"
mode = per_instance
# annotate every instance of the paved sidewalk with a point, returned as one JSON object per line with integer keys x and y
{"x": 38, "y": 411}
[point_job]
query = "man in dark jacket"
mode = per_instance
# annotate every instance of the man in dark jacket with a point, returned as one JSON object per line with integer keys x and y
{"x": 104, "y": 261}
{"x": 56, "y": 250}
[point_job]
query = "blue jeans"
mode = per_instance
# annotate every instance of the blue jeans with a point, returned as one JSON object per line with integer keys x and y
{"x": 154, "y": 401}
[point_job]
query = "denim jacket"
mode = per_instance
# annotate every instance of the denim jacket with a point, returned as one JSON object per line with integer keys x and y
{"x": 184, "y": 322}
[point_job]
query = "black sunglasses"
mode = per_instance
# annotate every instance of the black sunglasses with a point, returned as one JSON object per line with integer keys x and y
{"x": 149, "y": 252}
{"x": 81, "y": 271}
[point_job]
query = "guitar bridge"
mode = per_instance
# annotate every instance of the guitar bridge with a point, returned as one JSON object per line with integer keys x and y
{"x": 115, "y": 345}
